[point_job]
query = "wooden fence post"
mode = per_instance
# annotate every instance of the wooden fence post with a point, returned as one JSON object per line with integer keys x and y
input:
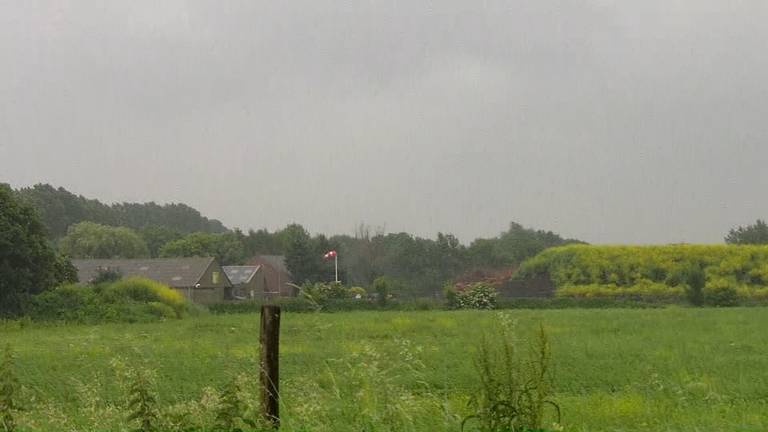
{"x": 270, "y": 364}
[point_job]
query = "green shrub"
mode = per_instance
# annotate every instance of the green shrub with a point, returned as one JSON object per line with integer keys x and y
{"x": 695, "y": 280}
{"x": 381, "y": 286}
{"x": 106, "y": 276}
{"x": 451, "y": 297}
{"x": 162, "y": 310}
{"x": 480, "y": 295}
{"x": 146, "y": 290}
{"x": 127, "y": 300}
{"x": 357, "y": 292}
{"x": 721, "y": 292}
{"x": 320, "y": 293}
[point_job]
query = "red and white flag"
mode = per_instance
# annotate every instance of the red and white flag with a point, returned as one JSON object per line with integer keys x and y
{"x": 329, "y": 254}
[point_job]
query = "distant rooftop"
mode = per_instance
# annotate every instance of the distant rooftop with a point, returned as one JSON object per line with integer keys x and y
{"x": 276, "y": 261}
{"x": 240, "y": 274}
{"x": 174, "y": 272}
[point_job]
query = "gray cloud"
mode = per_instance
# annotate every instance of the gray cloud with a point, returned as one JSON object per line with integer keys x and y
{"x": 609, "y": 121}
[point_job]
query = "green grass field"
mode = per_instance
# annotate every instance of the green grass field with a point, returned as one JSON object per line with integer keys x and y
{"x": 675, "y": 369}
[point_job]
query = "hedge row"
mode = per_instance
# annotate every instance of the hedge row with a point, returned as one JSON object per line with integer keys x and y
{"x": 653, "y": 272}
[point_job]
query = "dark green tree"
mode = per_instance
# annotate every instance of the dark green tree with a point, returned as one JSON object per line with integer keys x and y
{"x": 59, "y": 209}
{"x": 91, "y": 240}
{"x": 513, "y": 246}
{"x": 301, "y": 256}
{"x": 157, "y": 236}
{"x": 64, "y": 271}
{"x": 28, "y": 264}
{"x": 262, "y": 242}
{"x": 750, "y": 234}
{"x": 226, "y": 247}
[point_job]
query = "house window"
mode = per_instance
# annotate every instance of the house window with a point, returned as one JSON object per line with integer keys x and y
{"x": 215, "y": 278}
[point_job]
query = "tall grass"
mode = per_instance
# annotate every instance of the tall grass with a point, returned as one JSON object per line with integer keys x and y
{"x": 674, "y": 369}
{"x": 9, "y": 389}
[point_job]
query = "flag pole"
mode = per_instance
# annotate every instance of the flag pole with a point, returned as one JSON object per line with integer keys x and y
{"x": 336, "y": 264}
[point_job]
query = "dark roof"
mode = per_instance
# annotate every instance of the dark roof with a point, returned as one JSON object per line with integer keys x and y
{"x": 174, "y": 272}
{"x": 240, "y": 274}
{"x": 277, "y": 262}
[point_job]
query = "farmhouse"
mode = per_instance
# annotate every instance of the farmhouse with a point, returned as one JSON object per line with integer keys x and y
{"x": 277, "y": 278}
{"x": 248, "y": 282}
{"x": 201, "y": 280}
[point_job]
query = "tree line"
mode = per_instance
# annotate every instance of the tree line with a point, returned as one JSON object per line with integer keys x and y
{"x": 59, "y": 209}
{"x": 78, "y": 227}
{"x": 43, "y": 226}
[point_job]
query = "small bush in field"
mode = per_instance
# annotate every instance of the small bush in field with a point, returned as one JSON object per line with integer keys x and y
{"x": 451, "y": 297}
{"x": 321, "y": 293}
{"x": 381, "y": 286}
{"x": 127, "y": 300}
{"x": 357, "y": 292}
{"x": 147, "y": 290}
{"x": 477, "y": 296}
{"x": 162, "y": 310}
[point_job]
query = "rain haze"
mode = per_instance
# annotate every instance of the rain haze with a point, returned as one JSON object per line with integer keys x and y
{"x": 611, "y": 122}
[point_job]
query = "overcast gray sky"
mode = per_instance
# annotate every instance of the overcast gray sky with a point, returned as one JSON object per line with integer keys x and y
{"x": 611, "y": 121}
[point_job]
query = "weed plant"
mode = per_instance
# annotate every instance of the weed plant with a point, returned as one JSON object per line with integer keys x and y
{"x": 513, "y": 391}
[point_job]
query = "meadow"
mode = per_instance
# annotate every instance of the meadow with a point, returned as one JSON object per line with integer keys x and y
{"x": 671, "y": 369}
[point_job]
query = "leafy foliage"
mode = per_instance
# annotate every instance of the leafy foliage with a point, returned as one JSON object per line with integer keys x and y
{"x": 381, "y": 285}
{"x": 60, "y": 209}
{"x": 91, "y": 240}
{"x": 64, "y": 271}
{"x": 667, "y": 273}
{"x": 320, "y": 293}
{"x": 225, "y": 247}
{"x": 302, "y": 260}
{"x": 750, "y": 234}
{"x": 127, "y": 300}
{"x": 414, "y": 266}
{"x": 513, "y": 246}
{"x": 156, "y": 236}
{"x": 696, "y": 280}
{"x": 28, "y": 264}
{"x": 476, "y": 296}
